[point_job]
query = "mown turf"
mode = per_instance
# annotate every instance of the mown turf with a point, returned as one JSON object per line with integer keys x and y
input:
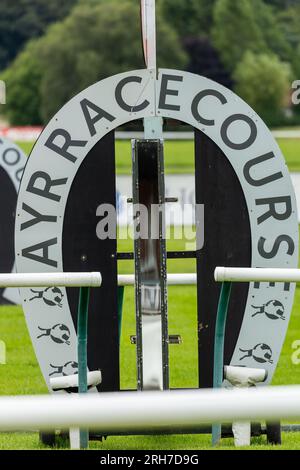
{"x": 21, "y": 374}
{"x": 179, "y": 155}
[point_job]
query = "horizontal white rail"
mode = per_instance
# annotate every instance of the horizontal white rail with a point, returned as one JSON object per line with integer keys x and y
{"x": 286, "y": 134}
{"x": 134, "y": 411}
{"x": 186, "y": 135}
{"x": 51, "y": 279}
{"x": 29, "y": 134}
{"x": 256, "y": 275}
{"x": 80, "y": 279}
{"x": 172, "y": 279}
{"x": 166, "y": 135}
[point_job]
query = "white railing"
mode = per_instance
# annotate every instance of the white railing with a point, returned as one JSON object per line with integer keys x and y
{"x": 30, "y": 134}
{"x": 172, "y": 279}
{"x": 186, "y": 135}
{"x": 256, "y": 275}
{"x": 51, "y": 279}
{"x": 152, "y": 411}
{"x": 81, "y": 279}
{"x": 66, "y": 279}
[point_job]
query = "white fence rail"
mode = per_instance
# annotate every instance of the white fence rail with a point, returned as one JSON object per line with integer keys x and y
{"x": 186, "y": 135}
{"x": 51, "y": 279}
{"x": 172, "y": 279}
{"x": 256, "y": 275}
{"x": 153, "y": 411}
{"x": 29, "y": 134}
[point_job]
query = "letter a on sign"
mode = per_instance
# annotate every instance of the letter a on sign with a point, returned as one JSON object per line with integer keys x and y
{"x": 149, "y": 32}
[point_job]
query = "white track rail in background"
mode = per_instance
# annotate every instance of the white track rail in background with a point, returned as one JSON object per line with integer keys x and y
{"x": 51, "y": 279}
{"x": 172, "y": 279}
{"x": 29, "y": 134}
{"x": 186, "y": 135}
{"x": 153, "y": 411}
{"x": 223, "y": 274}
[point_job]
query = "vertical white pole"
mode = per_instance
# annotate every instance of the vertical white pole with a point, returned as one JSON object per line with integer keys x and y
{"x": 153, "y": 126}
{"x": 149, "y": 32}
{"x": 151, "y": 328}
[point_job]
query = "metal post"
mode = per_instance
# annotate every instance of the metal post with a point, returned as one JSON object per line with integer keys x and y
{"x": 152, "y": 339}
{"x": 219, "y": 350}
{"x": 83, "y": 304}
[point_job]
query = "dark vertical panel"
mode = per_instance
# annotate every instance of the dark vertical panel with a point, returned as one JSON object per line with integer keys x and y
{"x": 8, "y": 198}
{"x": 227, "y": 243}
{"x": 95, "y": 184}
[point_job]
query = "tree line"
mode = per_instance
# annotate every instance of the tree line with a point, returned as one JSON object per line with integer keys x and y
{"x": 49, "y": 51}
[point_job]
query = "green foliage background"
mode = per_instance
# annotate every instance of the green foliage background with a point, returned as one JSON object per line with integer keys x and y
{"x": 21, "y": 20}
{"x": 72, "y": 45}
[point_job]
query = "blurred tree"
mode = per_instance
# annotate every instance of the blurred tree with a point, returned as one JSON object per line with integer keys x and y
{"x": 236, "y": 30}
{"x": 23, "y": 81}
{"x": 272, "y": 32}
{"x": 282, "y": 4}
{"x": 263, "y": 81}
{"x": 22, "y": 20}
{"x": 97, "y": 40}
{"x": 247, "y": 25}
{"x": 205, "y": 60}
{"x": 289, "y": 23}
{"x": 188, "y": 17}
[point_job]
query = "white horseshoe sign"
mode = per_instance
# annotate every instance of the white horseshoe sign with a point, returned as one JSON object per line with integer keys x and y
{"x": 226, "y": 120}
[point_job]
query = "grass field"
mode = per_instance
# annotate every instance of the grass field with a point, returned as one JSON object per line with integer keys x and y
{"x": 179, "y": 155}
{"x": 21, "y": 374}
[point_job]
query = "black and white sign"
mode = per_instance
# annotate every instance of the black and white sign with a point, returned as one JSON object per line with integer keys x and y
{"x": 12, "y": 162}
{"x": 206, "y": 106}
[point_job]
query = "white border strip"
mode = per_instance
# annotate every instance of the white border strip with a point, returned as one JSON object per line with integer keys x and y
{"x": 128, "y": 411}
{"x": 51, "y": 279}
{"x": 256, "y": 275}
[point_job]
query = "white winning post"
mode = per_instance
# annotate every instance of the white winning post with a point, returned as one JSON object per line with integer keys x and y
{"x": 151, "y": 331}
{"x": 149, "y": 32}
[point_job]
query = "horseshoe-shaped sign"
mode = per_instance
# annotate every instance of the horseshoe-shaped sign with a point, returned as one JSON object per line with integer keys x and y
{"x": 61, "y": 152}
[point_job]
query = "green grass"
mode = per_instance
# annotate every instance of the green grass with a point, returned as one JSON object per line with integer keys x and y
{"x": 21, "y": 374}
{"x": 291, "y": 151}
{"x": 179, "y": 155}
{"x": 26, "y": 146}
